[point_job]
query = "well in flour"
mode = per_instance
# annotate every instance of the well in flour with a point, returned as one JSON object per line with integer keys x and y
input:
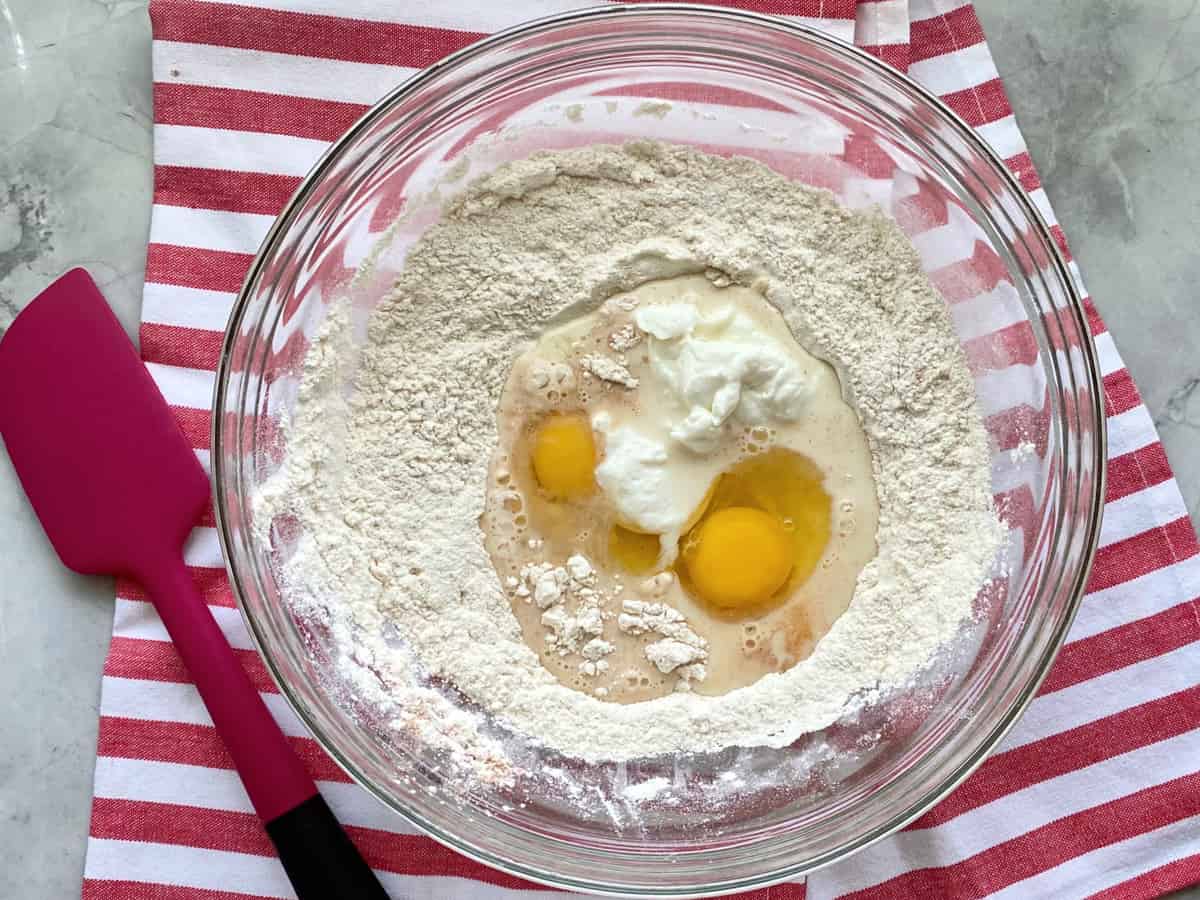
{"x": 712, "y": 457}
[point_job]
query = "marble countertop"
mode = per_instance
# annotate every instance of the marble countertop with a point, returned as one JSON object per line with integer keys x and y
{"x": 1104, "y": 90}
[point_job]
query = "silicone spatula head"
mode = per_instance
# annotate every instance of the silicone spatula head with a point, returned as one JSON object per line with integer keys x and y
{"x": 100, "y": 455}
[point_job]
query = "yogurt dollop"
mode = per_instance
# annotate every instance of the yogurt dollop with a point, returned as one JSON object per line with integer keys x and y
{"x": 720, "y": 367}
{"x": 704, "y": 372}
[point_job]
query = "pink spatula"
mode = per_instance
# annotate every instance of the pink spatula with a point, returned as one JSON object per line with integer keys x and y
{"x": 117, "y": 489}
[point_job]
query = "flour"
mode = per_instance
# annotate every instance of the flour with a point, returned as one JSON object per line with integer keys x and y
{"x": 548, "y": 382}
{"x": 608, "y": 370}
{"x": 681, "y": 651}
{"x": 571, "y": 608}
{"x": 387, "y": 484}
{"x": 625, "y": 338}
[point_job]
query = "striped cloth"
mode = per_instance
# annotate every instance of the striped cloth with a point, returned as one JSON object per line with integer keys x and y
{"x": 1095, "y": 793}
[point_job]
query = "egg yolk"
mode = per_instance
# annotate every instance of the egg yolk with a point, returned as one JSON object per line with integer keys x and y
{"x": 564, "y": 457}
{"x": 634, "y": 551}
{"x": 784, "y": 488}
{"x": 738, "y": 557}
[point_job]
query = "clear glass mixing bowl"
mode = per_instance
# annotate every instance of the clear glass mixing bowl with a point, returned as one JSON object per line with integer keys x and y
{"x": 816, "y": 110}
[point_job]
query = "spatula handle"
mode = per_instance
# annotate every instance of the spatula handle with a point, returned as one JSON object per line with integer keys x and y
{"x": 319, "y": 858}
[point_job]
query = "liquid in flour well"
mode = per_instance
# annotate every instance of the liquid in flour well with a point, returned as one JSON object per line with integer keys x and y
{"x": 680, "y": 498}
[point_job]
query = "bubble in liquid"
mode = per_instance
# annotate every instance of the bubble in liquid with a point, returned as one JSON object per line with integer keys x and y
{"x": 519, "y": 520}
{"x": 750, "y": 643}
{"x": 644, "y": 681}
{"x": 751, "y": 628}
{"x": 788, "y": 524}
{"x": 512, "y": 502}
{"x": 553, "y": 396}
{"x": 502, "y": 477}
{"x": 847, "y": 506}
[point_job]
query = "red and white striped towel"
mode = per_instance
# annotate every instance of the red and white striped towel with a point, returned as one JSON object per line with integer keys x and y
{"x": 1096, "y": 792}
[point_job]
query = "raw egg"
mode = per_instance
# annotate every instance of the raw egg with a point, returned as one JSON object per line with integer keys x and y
{"x": 765, "y": 529}
{"x": 564, "y": 456}
{"x": 634, "y": 551}
{"x": 738, "y": 557}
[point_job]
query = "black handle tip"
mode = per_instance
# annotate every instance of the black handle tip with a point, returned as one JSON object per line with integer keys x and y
{"x": 318, "y": 856}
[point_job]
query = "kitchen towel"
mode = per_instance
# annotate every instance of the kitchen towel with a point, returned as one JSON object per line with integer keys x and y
{"x": 1095, "y": 792}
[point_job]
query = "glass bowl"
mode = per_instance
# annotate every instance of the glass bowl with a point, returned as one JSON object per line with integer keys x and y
{"x": 816, "y": 110}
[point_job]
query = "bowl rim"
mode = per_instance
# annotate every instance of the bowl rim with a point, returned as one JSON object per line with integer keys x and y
{"x": 1074, "y": 302}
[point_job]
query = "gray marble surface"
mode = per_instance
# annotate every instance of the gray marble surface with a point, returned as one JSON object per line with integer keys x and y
{"x": 1104, "y": 90}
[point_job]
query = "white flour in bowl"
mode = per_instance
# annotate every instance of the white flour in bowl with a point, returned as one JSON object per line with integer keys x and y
{"x": 387, "y": 481}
